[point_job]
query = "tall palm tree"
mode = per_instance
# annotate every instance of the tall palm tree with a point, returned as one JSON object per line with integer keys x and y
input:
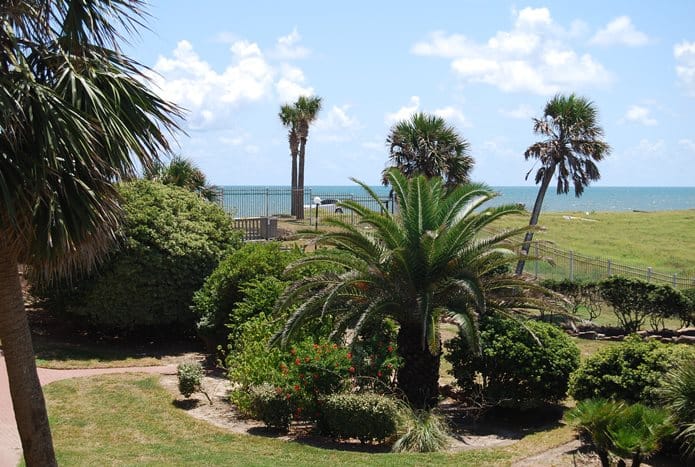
{"x": 184, "y": 173}
{"x": 75, "y": 116}
{"x": 573, "y": 142}
{"x": 430, "y": 260}
{"x": 425, "y": 144}
{"x": 307, "y": 109}
{"x": 289, "y": 118}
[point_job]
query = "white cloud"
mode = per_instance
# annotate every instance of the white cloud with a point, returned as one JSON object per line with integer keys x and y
{"x": 288, "y": 48}
{"x": 451, "y": 114}
{"x": 291, "y": 84}
{"x": 647, "y": 149}
{"x": 404, "y": 112}
{"x": 531, "y": 57}
{"x": 685, "y": 65}
{"x": 688, "y": 144}
{"x": 620, "y": 31}
{"x": 639, "y": 114}
{"x": 336, "y": 124}
{"x": 523, "y": 111}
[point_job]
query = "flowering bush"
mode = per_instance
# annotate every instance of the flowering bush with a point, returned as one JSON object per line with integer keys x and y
{"x": 376, "y": 361}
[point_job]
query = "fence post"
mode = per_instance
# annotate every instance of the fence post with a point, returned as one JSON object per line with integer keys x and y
{"x": 675, "y": 281}
{"x": 609, "y": 268}
{"x": 535, "y": 263}
{"x": 311, "y": 211}
{"x": 571, "y": 266}
{"x": 649, "y": 274}
{"x": 352, "y": 213}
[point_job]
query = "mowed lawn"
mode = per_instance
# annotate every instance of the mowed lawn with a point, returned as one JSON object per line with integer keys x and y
{"x": 663, "y": 240}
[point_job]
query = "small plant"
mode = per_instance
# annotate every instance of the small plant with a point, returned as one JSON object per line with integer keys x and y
{"x": 678, "y": 395}
{"x": 190, "y": 377}
{"x": 427, "y": 432}
{"x": 365, "y": 416}
{"x": 270, "y": 406}
{"x": 631, "y": 371}
{"x": 630, "y": 431}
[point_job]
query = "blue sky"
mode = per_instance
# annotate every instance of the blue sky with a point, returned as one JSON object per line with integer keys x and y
{"x": 488, "y": 67}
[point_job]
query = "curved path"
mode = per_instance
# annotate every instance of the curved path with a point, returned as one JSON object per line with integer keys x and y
{"x": 10, "y": 444}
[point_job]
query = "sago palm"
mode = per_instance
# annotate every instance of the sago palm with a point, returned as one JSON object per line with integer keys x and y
{"x": 75, "y": 117}
{"x": 573, "y": 143}
{"x": 430, "y": 260}
{"x": 426, "y": 145}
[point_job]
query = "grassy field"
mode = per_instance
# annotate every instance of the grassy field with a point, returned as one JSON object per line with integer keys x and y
{"x": 130, "y": 420}
{"x": 663, "y": 240}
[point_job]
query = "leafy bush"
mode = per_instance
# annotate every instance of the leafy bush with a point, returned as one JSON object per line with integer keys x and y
{"x": 678, "y": 396}
{"x": 172, "y": 239}
{"x": 629, "y": 299}
{"x": 214, "y": 302}
{"x": 427, "y": 432}
{"x": 520, "y": 365}
{"x": 375, "y": 356}
{"x": 688, "y": 316}
{"x": 270, "y": 406}
{"x": 632, "y": 431}
{"x": 630, "y": 371}
{"x": 582, "y": 295}
{"x": 364, "y": 416}
{"x": 190, "y": 377}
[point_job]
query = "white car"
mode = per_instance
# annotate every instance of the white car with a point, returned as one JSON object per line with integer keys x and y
{"x": 329, "y": 204}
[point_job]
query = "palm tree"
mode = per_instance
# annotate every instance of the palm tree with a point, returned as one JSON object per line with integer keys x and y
{"x": 75, "y": 117}
{"x": 184, "y": 173}
{"x": 288, "y": 117}
{"x": 573, "y": 141}
{"x": 429, "y": 261}
{"x": 425, "y": 144}
{"x": 307, "y": 109}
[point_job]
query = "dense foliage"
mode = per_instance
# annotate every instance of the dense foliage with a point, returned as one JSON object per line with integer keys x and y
{"x": 172, "y": 239}
{"x": 270, "y": 406}
{"x": 365, "y": 416}
{"x": 677, "y": 393}
{"x": 583, "y": 296}
{"x": 214, "y": 304}
{"x": 631, "y": 371}
{"x": 190, "y": 376}
{"x": 519, "y": 364}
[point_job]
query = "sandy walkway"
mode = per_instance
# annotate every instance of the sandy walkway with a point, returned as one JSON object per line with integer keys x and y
{"x": 10, "y": 444}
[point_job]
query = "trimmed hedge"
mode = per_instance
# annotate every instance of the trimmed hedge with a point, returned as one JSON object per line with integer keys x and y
{"x": 270, "y": 406}
{"x": 172, "y": 240}
{"x": 520, "y": 365}
{"x": 631, "y": 371}
{"x": 366, "y": 416}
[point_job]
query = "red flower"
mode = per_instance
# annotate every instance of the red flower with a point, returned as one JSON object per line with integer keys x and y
{"x": 352, "y": 369}
{"x": 296, "y": 388}
{"x": 316, "y": 346}
{"x": 389, "y": 366}
{"x": 389, "y": 348}
{"x": 378, "y": 373}
{"x": 349, "y": 355}
{"x": 278, "y": 390}
{"x": 297, "y": 361}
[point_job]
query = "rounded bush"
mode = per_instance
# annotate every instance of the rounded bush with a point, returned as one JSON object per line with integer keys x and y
{"x": 172, "y": 240}
{"x": 520, "y": 365}
{"x": 270, "y": 406}
{"x": 214, "y": 302}
{"x": 631, "y": 371}
{"x": 367, "y": 416}
{"x": 190, "y": 376}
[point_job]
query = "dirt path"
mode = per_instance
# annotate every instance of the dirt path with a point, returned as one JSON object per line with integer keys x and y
{"x": 10, "y": 444}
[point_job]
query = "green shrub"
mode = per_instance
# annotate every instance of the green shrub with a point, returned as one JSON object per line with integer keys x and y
{"x": 427, "y": 432}
{"x": 190, "y": 377}
{"x": 223, "y": 289}
{"x": 677, "y": 393}
{"x": 630, "y": 371}
{"x": 688, "y": 316}
{"x": 270, "y": 406}
{"x": 172, "y": 239}
{"x": 583, "y": 296}
{"x": 365, "y": 416}
{"x": 375, "y": 356}
{"x": 664, "y": 302}
{"x": 631, "y": 431}
{"x": 519, "y": 365}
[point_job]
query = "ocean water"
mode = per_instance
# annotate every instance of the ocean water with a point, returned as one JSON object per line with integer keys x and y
{"x": 258, "y": 200}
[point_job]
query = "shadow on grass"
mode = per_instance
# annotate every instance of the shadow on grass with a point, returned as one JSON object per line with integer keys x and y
{"x": 185, "y": 404}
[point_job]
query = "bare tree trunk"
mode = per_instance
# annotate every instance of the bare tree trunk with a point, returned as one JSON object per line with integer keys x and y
{"x": 300, "y": 177}
{"x": 418, "y": 377}
{"x": 550, "y": 171}
{"x": 293, "y": 200}
{"x": 25, "y": 388}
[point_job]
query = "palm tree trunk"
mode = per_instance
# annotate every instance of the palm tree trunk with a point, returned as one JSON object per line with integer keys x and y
{"x": 300, "y": 178}
{"x": 418, "y": 377}
{"x": 550, "y": 171}
{"x": 293, "y": 208}
{"x": 25, "y": 388}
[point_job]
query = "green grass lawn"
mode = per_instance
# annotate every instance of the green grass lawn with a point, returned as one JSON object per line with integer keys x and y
{"x": 663, "y": 240}
{"x": 130, "y": 420}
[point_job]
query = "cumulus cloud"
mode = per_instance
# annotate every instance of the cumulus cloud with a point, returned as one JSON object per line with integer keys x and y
{"x": 639, "y": 114}
{"x": 210, "y": 95}
{"x": 620, "y": 31}
{"x": 336, "y": 124}
{"x": 532, "y": 56}
{"x": 404, "y": 112}
{"x": 684, "y": 54}
{"x": 288, "y": 48}
{"x": 647, "y": 149}
{"x": 523, "y": 111}
{"x": 452, "y": 114}
{"x": 688, "y": 144}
